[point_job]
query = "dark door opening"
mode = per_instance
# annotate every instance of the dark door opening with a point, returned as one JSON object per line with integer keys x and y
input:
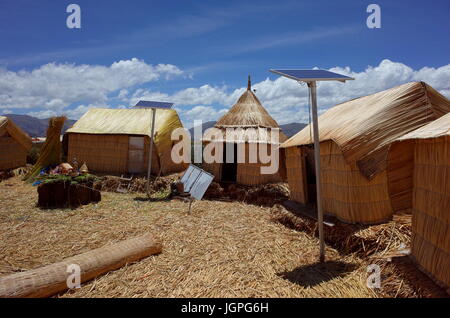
{"x": 310, "y": 175}
{"x": 229, "y": 170}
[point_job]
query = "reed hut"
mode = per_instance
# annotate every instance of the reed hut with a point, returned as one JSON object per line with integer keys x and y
{"x": 431, "y": 198}
{"x": 251, "y": 127}
{"x": 14, "y": 145}
{"x": 363, "y": 179}
{"x": 118, "y": 140}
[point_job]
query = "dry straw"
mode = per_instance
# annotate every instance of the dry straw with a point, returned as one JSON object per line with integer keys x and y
{"x": 223, "y": 249}
{"x": 50, "y": 153}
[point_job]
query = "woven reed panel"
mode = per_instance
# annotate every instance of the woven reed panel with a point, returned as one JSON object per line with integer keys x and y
{"x": 102, "y": 153}
{"x": 347, "y": 194}
{"x": 156, "y": 167}
{"x": 12, "y": 154}
{"x": 296, "y": 174}
{"x": 431, "y": 207}
{"x": 250, "y": 173}
{"x": 400, "y": 168}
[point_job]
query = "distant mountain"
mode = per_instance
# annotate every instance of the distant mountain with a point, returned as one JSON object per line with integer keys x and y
{"x": 289, "y": 129}
{"x": 35, "y": 127}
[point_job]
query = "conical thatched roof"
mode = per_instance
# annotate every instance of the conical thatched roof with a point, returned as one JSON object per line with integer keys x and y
{"x": 248, "y": 112}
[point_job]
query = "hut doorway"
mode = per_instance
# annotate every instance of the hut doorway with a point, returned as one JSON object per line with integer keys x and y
{"x": 310, "y": 175}
{"x": 229, "y": 169}
{"x": 136, "y": 155}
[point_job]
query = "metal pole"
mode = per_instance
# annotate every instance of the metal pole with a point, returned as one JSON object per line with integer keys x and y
{"x": 190, "y": 204}
{"x": 150, "y": 153}
{"x": 313, "y": 87}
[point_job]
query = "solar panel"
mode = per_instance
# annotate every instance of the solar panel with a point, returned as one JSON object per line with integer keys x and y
{"x": 196, "y": 181}
{"x": 153, "y": 104}
{"x": 312, "y": 75}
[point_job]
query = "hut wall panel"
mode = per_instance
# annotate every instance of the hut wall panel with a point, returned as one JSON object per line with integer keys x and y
{"x": 431, "y": 207}
{"x": 347, "y": 194}
{"x": 165, "y": 160}
{"x": 12, "y": 154}
{"x": 250, "y": 173}
{"x": 296, "y": 174}
{"x": 156, "y": 167}
{"x": 400, "y": 169}
{"x": 102, "y": 153}
{"x": 247, "y": 173}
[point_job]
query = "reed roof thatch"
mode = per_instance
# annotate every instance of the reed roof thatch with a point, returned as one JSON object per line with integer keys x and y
{"x": 365, "y": 127}
{"x": 247, "y": 113}
{"x": 8, "y": 126}
{"x": 438, "y": 128}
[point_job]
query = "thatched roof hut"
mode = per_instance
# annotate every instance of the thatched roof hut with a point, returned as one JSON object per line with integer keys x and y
{"x": 250, "y": 124}
{"x": 118, "y": 140}
{"x": 431, "y": 198}
{"x": 361, "y": 183}
{"x": 14, "y": 145}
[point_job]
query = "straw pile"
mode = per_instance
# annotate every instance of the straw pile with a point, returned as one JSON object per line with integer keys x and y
{"x": 138, "y": 185}
{"x": 51, "y": 151}
{"x": 262, "y": 195}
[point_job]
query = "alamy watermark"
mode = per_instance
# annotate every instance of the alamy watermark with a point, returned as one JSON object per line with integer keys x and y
{"x": 73, "y": 21}
{"x": 374, "y": 19}
{"x": 74, "y": 278}
{"x": 374, "y": 279}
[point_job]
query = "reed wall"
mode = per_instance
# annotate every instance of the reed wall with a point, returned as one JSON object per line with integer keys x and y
{"x": 296, "y": 174}
{"x": 12, "y": 154}
{"x": 346, "y": 193}
{"x": 106, "y": 153}
{"x": 247, "y": 173}
{"x": 400, "y": 168}
{"x": 431, "y": 207}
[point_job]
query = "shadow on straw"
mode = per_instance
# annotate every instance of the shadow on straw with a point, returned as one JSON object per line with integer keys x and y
{"x": 315, "y": 274}
{"x": 147, "y": 199}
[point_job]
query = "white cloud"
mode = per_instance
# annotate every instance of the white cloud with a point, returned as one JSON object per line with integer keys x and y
{"x": 203, "y": 113}
{"x": 54, "y": 87}
{"x": 287, "y": 101}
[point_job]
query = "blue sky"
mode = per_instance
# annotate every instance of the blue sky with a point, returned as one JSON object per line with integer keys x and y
{"x": 206, "y": 49}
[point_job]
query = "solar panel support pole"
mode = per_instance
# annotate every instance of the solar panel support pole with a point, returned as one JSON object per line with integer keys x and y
{"x": 150, "y": 153}
{"x": 313, "y": 89}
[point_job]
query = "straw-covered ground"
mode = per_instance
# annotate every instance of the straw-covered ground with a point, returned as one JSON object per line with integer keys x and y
{"x": 223, "y": 249}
